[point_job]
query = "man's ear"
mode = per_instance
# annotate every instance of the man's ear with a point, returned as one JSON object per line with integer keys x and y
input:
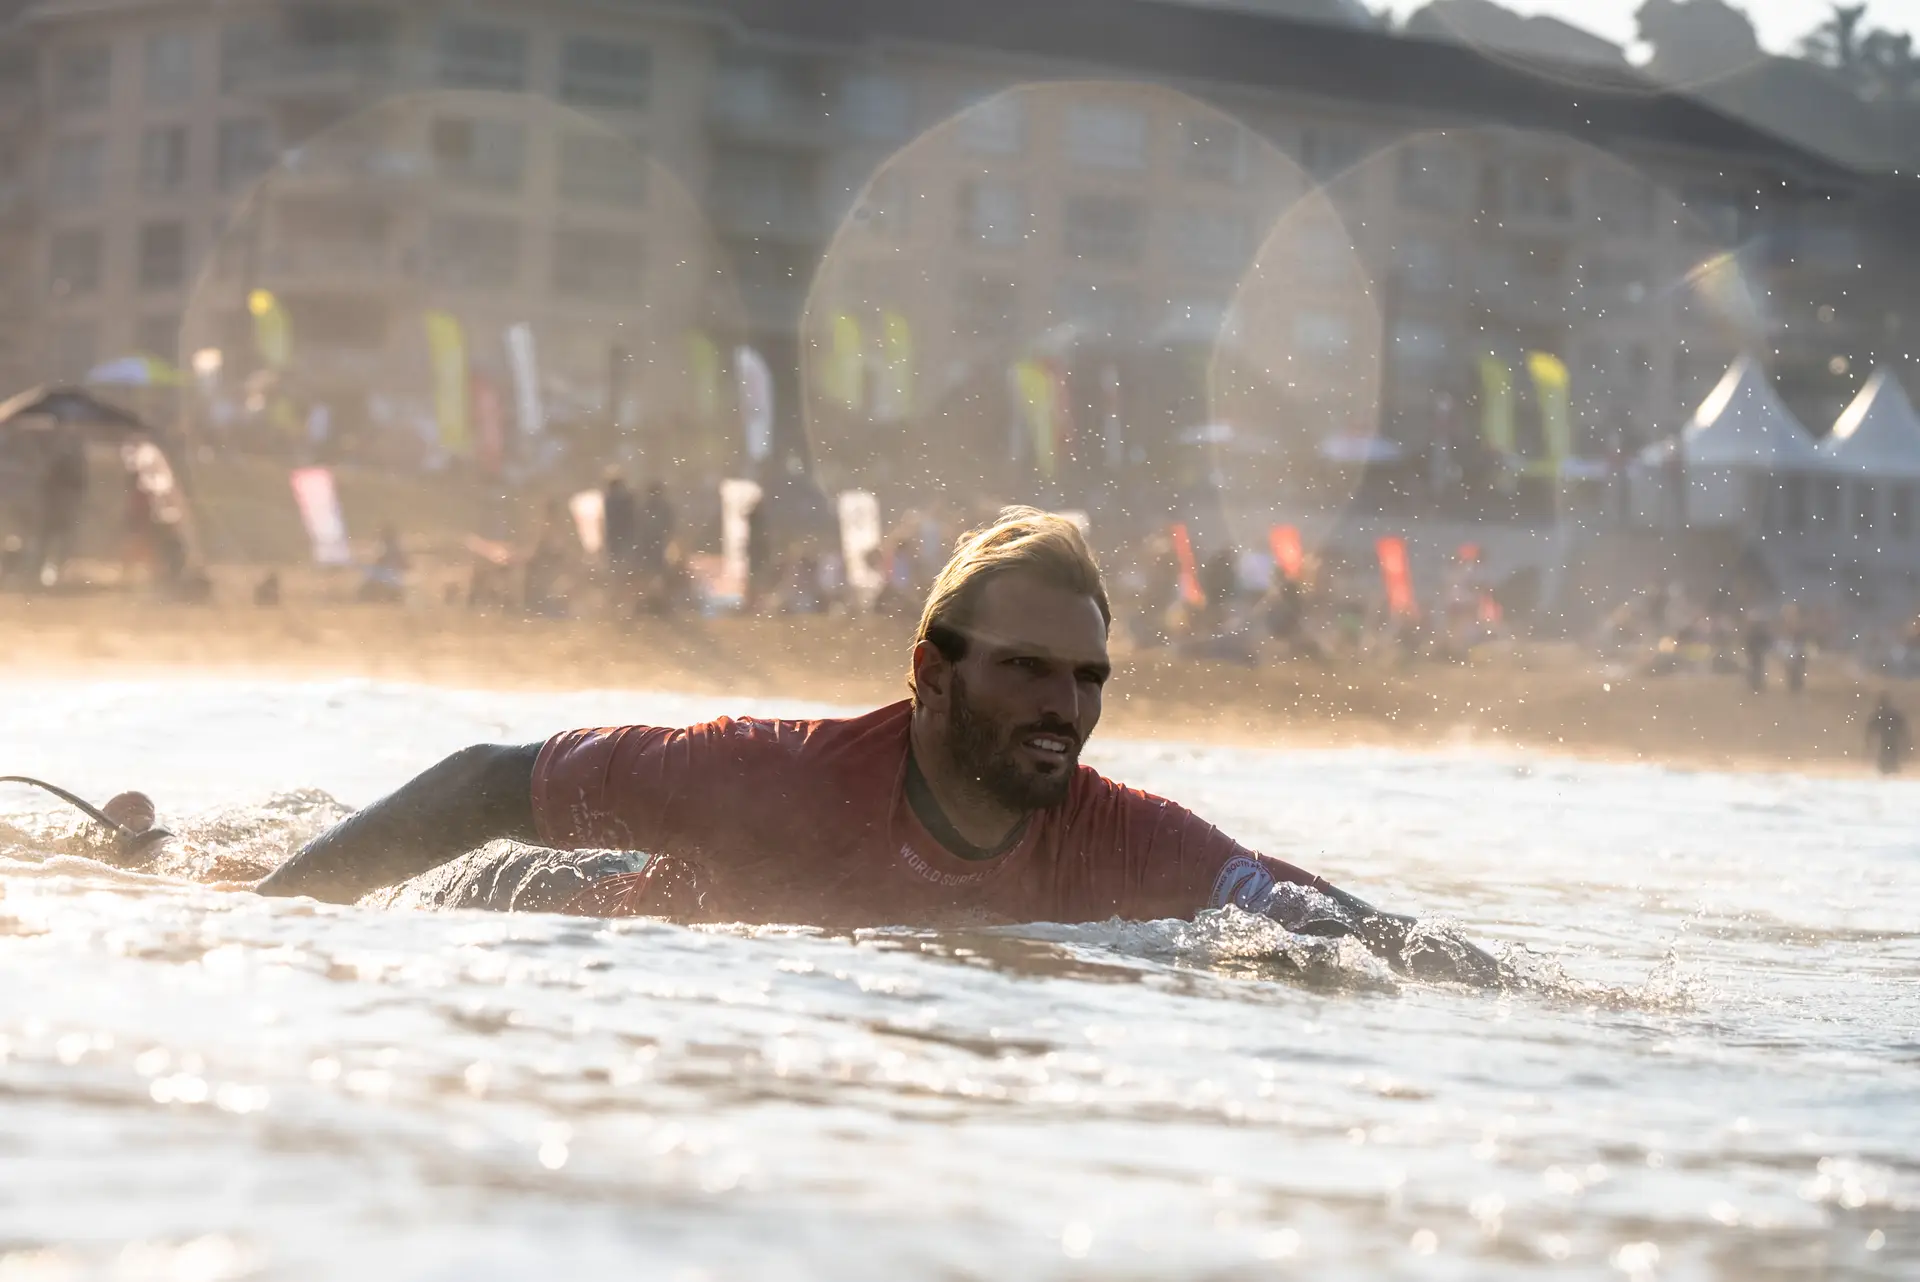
{"x": 932, "y": 675}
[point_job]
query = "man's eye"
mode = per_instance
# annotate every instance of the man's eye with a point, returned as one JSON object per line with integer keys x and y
{"x": 1093, "y": 676}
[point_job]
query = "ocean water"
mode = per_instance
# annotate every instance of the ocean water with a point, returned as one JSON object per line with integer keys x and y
{"x": 1705, "y": 1065}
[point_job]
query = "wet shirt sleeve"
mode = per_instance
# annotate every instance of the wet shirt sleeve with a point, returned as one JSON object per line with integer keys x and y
{"x": 664, "y": 791}
{"x": 1176, "y": 864}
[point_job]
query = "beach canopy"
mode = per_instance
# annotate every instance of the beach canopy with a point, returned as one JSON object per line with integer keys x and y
{"x": 1743, "y": 425}
{"x": 69, "y": 407}
{"x": 1879, "y": 435}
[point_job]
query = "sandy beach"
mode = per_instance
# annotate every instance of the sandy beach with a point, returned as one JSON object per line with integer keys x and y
{"x": 1534, "y": 697}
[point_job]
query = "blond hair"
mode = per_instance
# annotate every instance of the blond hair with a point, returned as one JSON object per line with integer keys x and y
{"x": 1021, "y": 538}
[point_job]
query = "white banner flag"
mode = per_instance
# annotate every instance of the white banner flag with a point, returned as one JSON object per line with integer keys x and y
{"x": 859, "y": 537}
{"x": 737, "y": 500}
{"x": 756, "y": 401}
{"x": 526, "y": 379}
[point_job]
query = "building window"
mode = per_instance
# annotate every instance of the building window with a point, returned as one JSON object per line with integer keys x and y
{"x": 481, "y": 56}
{"x": 78, "y": 165}
{"x": 1212, "y": 242}
{"x": 1213, "y": 151}
{"x": 157, "y": 335}
{"x": 169, "y": 67}
{"x": 604, "y": 265}
{"x": 605, "y": 73}
{"x": 1328, "y": 150}
{"x": 73, "y": 260}
{"x": 75, "y": 348}
{"x": 602, "y": 168}
{"x": 993, "y": 213}
{"x": 246, "y": 151}
{"x": 1108, "y": 310}
{"x": 163, "y": 159}
{"x": 246, "y": 54}
{"x": 996, "y": 126}
{"x": 1107, "y": 137}
{"x": 1540, "y": 187}
{"x": 1436, "y": 176}
{"x": 1623, "y": 201}
{"x": 163, "y": 255}
{"x": 1322, "y": 334}
{"x": 876, "y": 106}
{"x": 487, "y": 154}
{"x": 1106, "y": 228}
{"x": 82, "y": 77}
{"x": 989, "y": 305}
{"x": 473, "y": 251}
{"x": 1425, "y": 266}
{"x": 886, "y": 209}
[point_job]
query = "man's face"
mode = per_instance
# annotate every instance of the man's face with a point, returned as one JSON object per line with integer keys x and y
{"x": 1017, "y": 708}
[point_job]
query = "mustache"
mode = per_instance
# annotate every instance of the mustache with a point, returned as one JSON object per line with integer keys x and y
{"x": 1050, "y": 725}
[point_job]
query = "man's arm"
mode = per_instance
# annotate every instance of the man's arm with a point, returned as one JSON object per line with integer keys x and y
{"x": 479, "y": 794}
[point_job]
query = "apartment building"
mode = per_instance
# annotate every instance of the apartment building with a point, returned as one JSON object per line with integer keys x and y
{"x": 1483, "y": 205}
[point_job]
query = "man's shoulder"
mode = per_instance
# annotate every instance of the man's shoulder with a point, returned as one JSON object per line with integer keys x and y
{"x": 816, "y": 737}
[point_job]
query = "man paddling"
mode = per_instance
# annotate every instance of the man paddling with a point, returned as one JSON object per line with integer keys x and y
{"x": 966, "y": 803}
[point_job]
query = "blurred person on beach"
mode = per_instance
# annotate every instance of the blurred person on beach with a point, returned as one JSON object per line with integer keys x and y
{"x": 1759, "y": 643}
{"x": 966, "y": 803}
{"x": 385, "y": 580}
{"x": 543, "y": 577}
{"x": 63, "y": 489}
{"x": 620, "y": 529}
{"x": 1888, "y": 735}
{"x": 655, "y": 523}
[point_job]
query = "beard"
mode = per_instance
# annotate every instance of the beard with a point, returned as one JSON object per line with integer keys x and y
{"x": 987, "y": 752}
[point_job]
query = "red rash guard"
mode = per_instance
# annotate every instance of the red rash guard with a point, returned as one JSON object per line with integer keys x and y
{"x": 809, "y": 822}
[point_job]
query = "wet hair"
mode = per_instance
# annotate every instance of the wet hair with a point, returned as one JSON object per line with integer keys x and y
{"x": 1024, "y": 539}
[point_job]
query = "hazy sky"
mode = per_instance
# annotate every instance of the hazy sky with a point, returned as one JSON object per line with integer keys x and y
{"x": 1781, "y": 22}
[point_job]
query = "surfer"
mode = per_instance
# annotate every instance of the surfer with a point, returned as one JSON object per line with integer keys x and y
{"x": 965, "y": 803}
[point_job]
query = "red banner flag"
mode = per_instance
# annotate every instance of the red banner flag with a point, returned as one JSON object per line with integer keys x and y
{"x": 1397, "y": 575}
{"x": 1189, "y": 571}
{"x": 1288, "y": 553}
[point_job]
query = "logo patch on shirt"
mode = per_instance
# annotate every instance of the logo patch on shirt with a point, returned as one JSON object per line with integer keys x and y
{"x": 927, "y": 872}
{"x": 1242, "y": 882}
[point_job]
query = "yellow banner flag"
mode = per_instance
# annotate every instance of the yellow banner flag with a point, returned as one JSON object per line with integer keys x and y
{"x": 1551, "y": 383}
{"x": 845, "y": 371}
{"x": 272, "y": 331}
{"x": 447, "y": 349}
{"x": 703, "y": 369}
{"x": 898, "y": 388}
{"x": 1496, "y": 404}
{"x": 1038, "y": 393}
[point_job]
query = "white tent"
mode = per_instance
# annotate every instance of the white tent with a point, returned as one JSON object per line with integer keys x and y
{"x": 1738, "y": 450}
{"x": 1879, "y": 435}
{"x": 1743, "y": 426}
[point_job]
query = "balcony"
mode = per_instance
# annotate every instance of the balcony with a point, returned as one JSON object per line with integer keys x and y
{"x": 750, "y": 112}
{"x": 319, "y": 267}
{"x": 327, "y": 73}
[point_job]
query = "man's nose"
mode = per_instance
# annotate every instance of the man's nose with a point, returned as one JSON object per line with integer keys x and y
{"x": 1060, "y": 697}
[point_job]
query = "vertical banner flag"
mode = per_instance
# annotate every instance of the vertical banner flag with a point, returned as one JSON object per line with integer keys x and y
{"x": 525, "y": 363}
{"x": 1189, "y": 568}
{"x": 756, "y": 401}
{"x": 1035, "y": 386}
{"x": 272, "y": 332}
{"x": 447, "y": 349}
{"x": 489, "y": 424}
{"x": 1397, "y": 575}
{"x": 845, "y": 366}
{"x": 703, "y": 368}
{"x": 1496, "y": 404}
{"x": 859, "y": 537}
{"x": 1552, "y": 383}
{"x": 737, "y": 500}
{"x": 896, "y": 389}
{"x": 589, "y": 509}
{"x": 1288, "y": 552}
{"x": 320, "y": 513}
